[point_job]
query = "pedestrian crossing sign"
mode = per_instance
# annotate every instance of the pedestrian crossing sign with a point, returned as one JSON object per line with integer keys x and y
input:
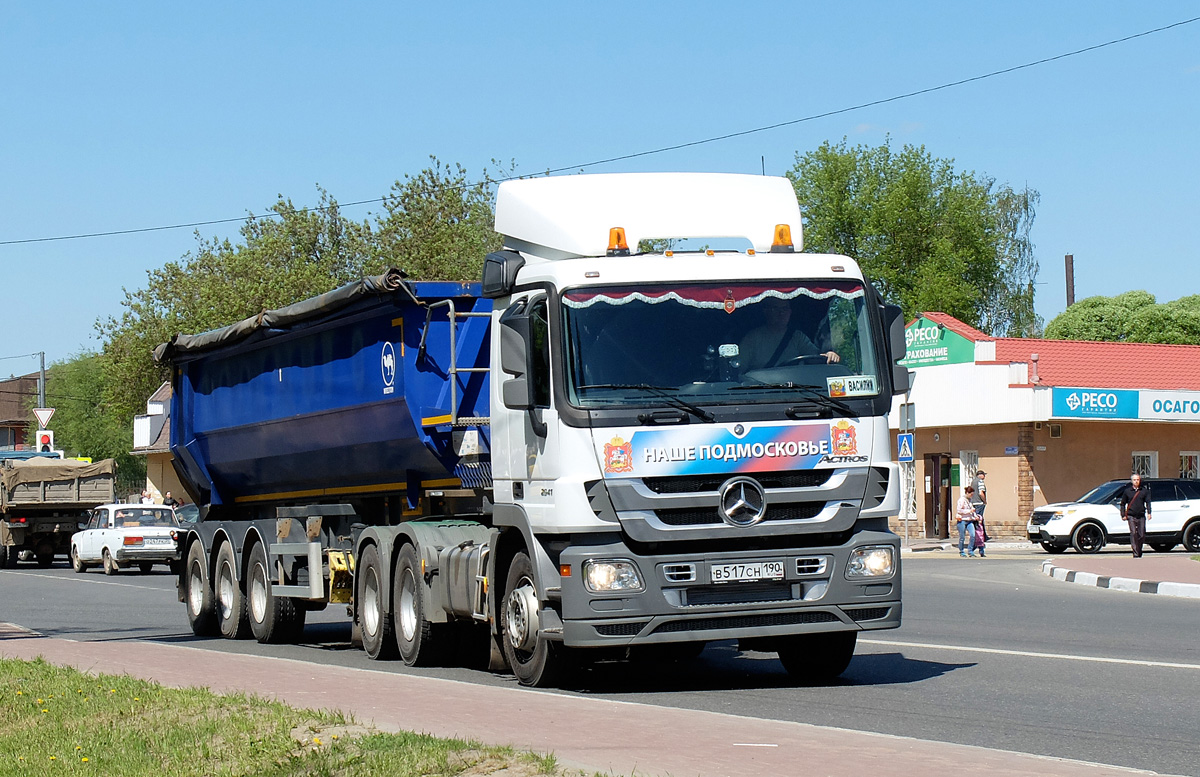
{"x": 904, "y": 447}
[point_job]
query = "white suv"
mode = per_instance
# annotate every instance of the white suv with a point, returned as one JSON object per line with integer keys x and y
{"x": 1094, "y": 520}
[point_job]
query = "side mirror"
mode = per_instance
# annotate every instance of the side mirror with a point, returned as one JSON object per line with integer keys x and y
{"x": 517, "y": 393}
{"x": 500, "y": 273}
{"x": 893, "y": 321}
{"x": 81, "y": 525}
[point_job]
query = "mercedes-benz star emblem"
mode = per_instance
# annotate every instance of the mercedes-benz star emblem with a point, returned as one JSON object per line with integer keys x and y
{"x": 743, "y": 502}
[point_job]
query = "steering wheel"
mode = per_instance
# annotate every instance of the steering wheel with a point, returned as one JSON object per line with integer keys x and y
{"x": 810, "y": 358}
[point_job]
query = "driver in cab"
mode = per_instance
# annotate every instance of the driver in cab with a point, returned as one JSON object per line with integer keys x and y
{"x": 779, "y": 340}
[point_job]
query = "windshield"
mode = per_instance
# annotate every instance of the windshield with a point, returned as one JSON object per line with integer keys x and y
{"x": 1103, "y": 493}
{"x": 144, "y": 516}
{"x": 719, "y": 343}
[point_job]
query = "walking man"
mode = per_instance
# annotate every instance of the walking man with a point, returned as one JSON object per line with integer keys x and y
{"x": 979, "y": 498}
{"x": 1135, "y": 510}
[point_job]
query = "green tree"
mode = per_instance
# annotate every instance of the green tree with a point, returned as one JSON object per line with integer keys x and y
{"x": 930, "y": 237}
{"x": 1134, "y": 316}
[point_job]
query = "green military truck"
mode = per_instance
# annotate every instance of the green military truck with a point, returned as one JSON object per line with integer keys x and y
{"x": 42, "y": 501}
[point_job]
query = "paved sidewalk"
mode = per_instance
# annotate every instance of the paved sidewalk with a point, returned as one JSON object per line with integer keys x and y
{"x": 617, "y": 738}
{"x": 1170, "y": 574}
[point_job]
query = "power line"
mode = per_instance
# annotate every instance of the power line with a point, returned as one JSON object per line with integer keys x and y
{"x": 650, "y": 152}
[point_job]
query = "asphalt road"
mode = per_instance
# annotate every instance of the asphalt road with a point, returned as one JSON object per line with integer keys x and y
{"x": 992, "y": 653}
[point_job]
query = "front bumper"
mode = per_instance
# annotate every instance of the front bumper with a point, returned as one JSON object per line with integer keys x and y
{"x": 680, "y": 603}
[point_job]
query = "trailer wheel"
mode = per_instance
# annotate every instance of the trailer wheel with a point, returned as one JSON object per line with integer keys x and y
{"x": 817, "y": 659}
{"x": 378, "y": 639}
{"x": 45, "y": 560}
{"x": 202, "y": 613}
{"x": 414, "y": 632}
{"x": 231, "y": 601}
{"x": 273, "y": 619}
{"x": 534, "y": 660}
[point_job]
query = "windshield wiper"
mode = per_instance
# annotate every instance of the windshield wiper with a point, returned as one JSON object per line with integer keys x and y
{"x": 812, "y": 393}
{"x": 660, "y": 392}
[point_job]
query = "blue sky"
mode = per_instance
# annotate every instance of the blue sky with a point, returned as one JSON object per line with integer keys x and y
{"x": 120, "y": 116}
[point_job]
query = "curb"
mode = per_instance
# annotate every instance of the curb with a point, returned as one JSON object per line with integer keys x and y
{"x": 1187, "y": 590}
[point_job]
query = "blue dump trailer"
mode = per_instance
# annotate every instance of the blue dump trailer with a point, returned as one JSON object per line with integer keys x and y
{"x": 596, "y": 451}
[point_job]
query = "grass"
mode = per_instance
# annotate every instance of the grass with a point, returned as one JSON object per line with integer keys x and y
{"x": 61, "y": 721}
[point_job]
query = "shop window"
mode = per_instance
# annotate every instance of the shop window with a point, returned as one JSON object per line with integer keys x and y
{"x": 1189, "y": 465}
{"x": 1145, "y": 463}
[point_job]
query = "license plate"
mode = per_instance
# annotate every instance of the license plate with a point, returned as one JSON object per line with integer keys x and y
{"x": 755, "y": 570}
{"x": 159, "y": 541}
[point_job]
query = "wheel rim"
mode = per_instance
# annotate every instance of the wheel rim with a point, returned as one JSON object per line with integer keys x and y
{"x": 108, "y": 562}
{"x": 1192, "y": 540}
{"x": 75, "y": 557}
{"x": 371, "y": 615}
{"x": 1089, "y": 538}
{"x": 258, "y": 594}
{"x": 195, "y": 588}
{"x": 225, "y": 590}
{"x": 520, "y": 617}
{"x": 407, "y": 606}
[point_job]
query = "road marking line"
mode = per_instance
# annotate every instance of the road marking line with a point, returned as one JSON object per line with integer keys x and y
{"x": 87, "y": 580}
{"x": 1030, "y": 654}
{"x": 754, "y": 744}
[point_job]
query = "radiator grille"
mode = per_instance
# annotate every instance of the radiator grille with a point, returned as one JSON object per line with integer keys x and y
{"x": 703, "y": 516}
{"x": 689, "y": 484}
{"x": 619, "y": 629}
{"x": 740, "y": 593}
{"x": 869, "y": 614}
{"x": 746, "y": 621}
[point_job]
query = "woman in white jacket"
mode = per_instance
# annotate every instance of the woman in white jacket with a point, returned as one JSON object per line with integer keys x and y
{"x": 966, "y": 523}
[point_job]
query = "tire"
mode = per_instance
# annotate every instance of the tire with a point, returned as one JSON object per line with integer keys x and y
{"x": 414, "y": 633}
{"x": 1163, "y": 547}
{"x": 1191, "y": 537}
{"x": 45, "y": 560}
{"x": 76, "y": 562}
{"x": 145, "y": 566}
{"x": 110, "y": 566}
{"x": 1088, "y": 538}
{"x": 230, "y": 599}
{"x": 536, "y": 661}
{"x": 273, "y": 619}
{"x": 198, "y": 593}
{"x": 3, "y": 557}
{"x": 11, "y": 555}
{"x": 1051, "y": 547}
{"x": 379, "y": 641}
{"x": 817, "y": 659}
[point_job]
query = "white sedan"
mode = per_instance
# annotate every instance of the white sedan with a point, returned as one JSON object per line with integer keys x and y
{"x": 119, "y": 535}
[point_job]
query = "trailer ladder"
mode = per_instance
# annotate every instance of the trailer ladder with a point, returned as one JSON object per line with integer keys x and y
{"x": 453, "y": 419}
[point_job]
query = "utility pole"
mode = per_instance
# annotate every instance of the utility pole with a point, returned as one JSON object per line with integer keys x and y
{"x": 42, "y": 381}
{"x": 1070, "y": 280}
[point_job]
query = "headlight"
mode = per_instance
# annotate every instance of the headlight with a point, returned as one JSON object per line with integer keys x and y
{"x": 607, "y": 576}
{"x": 870, "y": 561}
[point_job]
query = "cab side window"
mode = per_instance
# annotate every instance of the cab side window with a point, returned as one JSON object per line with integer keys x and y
{"x": 539, "y": 328}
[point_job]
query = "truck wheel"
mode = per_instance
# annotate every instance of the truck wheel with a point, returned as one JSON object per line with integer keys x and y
{"x": 231, "y": 602}
{"x": 414, "y": 633}
{"x": 145, "y": 567}
{"x": 76, "y": 562}
{"x": 534, "y": 660}
{"x": 273, "y": 619}
{"x": 11, "y": 552}
{"x": 817, "y": 659}
{"x": 202, "y": 612}
{"x": 378, "y": 639}
{"x": 110, "y": 566}
{"x": 1088, "y": 538}
{"x": 45, "y": 560}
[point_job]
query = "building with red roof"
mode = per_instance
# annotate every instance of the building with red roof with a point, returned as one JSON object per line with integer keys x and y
{"x": 1045, "y": 419}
